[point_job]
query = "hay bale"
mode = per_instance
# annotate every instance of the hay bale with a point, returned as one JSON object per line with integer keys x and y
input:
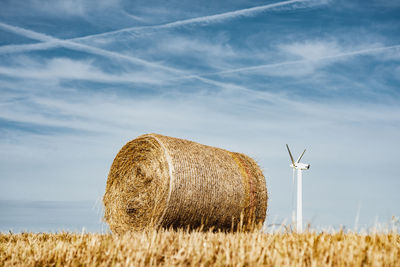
{"x": 173, "y": 182}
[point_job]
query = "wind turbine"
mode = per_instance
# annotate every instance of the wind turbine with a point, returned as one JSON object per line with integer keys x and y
{"x": 296, "y": 165}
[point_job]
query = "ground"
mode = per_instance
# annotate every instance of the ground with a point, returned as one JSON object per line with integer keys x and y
{"x": 169, "y": 247}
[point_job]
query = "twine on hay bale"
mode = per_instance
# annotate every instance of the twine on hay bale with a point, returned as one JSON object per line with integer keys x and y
{"x": 171, "y": 182}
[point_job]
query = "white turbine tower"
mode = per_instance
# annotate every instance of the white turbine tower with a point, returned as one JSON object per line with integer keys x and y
{"x": 296, "y": 165}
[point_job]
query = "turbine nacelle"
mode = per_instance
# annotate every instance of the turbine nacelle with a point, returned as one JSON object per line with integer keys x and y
{"x": 300, "y": 166}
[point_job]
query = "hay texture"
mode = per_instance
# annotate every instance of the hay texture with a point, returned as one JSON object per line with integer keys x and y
{"x": 170, "y": 182}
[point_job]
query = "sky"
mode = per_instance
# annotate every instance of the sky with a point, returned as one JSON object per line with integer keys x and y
{"x": 79, "y": 79}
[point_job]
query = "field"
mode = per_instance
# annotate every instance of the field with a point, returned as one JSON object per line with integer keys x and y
{"x": 168, "y": 247}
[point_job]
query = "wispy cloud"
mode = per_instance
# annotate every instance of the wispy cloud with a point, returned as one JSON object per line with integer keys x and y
{"x": 206, "y": 19}
{"x": 64, "y": 8}
{"x": 81, "y": 47}
{"x": 100, "y": 111}
{"x": 115, "y": 55}
{"x": 315, "y": 56}
{"x": 18, "y": 48}
{"x": 311, "y": 50}
{"x": 63, "y": 68}
{"x": 51, "y": 42}
{"x": 309, "y": 53}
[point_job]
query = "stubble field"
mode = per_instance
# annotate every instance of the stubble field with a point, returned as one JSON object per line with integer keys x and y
{"x": 168, "y": 247}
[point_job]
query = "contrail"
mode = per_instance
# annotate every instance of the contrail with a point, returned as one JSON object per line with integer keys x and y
{"x": 27, "y": 33}
{"x": 8, "y": 49}
{"x": 98, "y": 51}
{"x": 81, "y": 47}
{"x": 49, "y": 41}
{"x": 301, "y": 61}
{"x": 205, "y": 19}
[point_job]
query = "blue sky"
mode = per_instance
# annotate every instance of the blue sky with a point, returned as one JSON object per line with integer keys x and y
{"x": 79, "y": 79}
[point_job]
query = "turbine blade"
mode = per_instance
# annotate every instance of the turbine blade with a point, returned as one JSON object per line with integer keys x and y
{"x": 290, "y": 154}
{"x": 298, "y": 160}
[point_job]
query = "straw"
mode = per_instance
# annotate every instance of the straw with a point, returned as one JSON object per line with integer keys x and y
{"x": 161, "y": 181}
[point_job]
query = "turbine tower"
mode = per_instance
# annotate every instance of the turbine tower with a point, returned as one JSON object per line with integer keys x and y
{"x": 296, "y": 165}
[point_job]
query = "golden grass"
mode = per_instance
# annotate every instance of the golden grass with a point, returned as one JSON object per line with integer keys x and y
{"x": 167, "y": 247}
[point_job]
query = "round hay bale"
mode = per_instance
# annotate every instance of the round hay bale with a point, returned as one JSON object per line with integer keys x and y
{"x": 169, "y": 182}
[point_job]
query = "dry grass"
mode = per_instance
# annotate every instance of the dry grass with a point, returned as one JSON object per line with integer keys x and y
{"x": 165, "y": 247}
